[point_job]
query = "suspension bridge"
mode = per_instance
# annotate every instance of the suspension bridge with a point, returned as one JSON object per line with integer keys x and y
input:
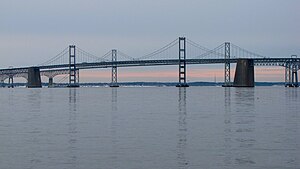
{"x": 181, "y": 52}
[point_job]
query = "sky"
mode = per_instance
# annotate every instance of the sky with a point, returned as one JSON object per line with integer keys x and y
{"x": 33, "y": 31}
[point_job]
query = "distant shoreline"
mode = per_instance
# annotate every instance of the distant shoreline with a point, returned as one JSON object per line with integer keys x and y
{"x": 149, "y": 84}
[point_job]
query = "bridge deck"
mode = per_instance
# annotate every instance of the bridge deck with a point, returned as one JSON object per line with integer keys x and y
{"x": 134, "y": 63}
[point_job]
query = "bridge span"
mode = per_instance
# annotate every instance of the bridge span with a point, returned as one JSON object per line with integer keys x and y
{"x": 224, "y": 54}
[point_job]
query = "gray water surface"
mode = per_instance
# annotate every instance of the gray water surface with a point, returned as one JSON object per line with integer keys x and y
{"x": 150, "y": 128}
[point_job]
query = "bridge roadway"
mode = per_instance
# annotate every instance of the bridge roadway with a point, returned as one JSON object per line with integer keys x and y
{"x": 135, "y": 63}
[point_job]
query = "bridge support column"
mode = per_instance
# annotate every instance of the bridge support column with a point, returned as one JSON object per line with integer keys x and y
{"x": 288, "y": 75}
{"x": 295, "y": 78}
{"x": 244, "y": 74}
{"x": 34, "y": 78}
{"x": 73, "y": 79}
{"x": 50, "y": 84}
{"x": 182, "y": 63}
{"x": 291, "y": 73}
{"x": 2, "y": 83}
{"x": 114, "y": 70}
{"x": 11, "y": 82}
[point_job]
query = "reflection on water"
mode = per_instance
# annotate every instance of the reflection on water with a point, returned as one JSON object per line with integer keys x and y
{"x": 245, "y": 125}
{"x": 72, "y": 130}
{"x": 113, "y": 129}
{"x": 227, "y": 129}
{"x": 239, "y": 126}
{"x": 34, "y": 100}
{"x": 182, "y": 130}
{"x": 244, "y": 100}
{"x": 291, "y": 93}
{"x": 291, "y": 129}
{"x": 114, "y": 99}
{"x": 73, "y": 96}
{"x": 132, "y": 128}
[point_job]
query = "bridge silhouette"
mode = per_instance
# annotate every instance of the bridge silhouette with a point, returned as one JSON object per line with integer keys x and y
{"x": 181, "y": 52}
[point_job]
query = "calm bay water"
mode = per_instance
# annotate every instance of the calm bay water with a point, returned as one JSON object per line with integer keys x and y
{"x": 150, "y": 128}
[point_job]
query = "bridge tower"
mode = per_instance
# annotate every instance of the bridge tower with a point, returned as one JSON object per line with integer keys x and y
{"x": 114, "y": 70}
{"x": 182, "y": 63}
{"x": 73, "y": 79}
{"x": 227, "y": 81}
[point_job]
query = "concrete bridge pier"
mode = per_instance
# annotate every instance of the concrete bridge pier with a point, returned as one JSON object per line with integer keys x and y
{"x": 34, "y": 78}
{"x": 50, "y": 84}
{"x": 295, "y": 79}
{"x": 244, "y": 74}
{"x": 11, "y": 82}
{"x": 2, "y": 83}
{"x": 291, "y": 74}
